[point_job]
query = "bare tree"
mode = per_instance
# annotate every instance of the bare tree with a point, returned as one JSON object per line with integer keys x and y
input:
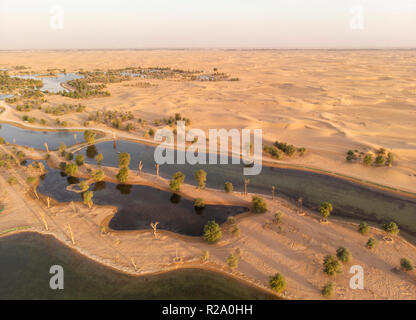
{"x": 154, "y": 227}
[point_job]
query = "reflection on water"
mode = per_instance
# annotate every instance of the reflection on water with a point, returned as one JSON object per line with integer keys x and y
{"x": 26, "y": 259}
{"x": 52, "y": 84}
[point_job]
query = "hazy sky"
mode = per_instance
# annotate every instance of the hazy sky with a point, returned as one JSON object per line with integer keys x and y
{"x": 86, "y": 24}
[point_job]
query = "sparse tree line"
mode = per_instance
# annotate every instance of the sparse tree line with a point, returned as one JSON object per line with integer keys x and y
{"x": 279, "y": 149}
{"x": 380, "y": 159}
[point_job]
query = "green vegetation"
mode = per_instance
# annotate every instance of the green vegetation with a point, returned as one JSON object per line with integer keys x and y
{"x": 277, "y": 282}
{"x": 212, "y": 232}
{"x": 228, "y": 187}
{"x": 71, "y": 169}
{"x": 2, "y": 141}
{"x": 201, "y": 178}
{"x": 87, "y": 198}
{"x": 363, "y": 228}
{"x": 344, "y": 255}
{"x": 63, "y": 109}
{"x": 123, "y": 160}
{"x": 332, "y": 266}
{"x": 259, "y": 205}
{"x": 83, "y": 185}
{"x": 277, "y": 218}
{"x": 89, "y": 136}
{"x": 9, "y": 84}
{"x": 233, "y": 260}
{"x": 99, "y": 158}
{"x": 123, "y": 174}
{"x": 199, "y": 203}
{"x": 12, "y": 180}
{"x": 82, "y": 89}
{"x": 98, "y": 175}
{"x": 205, "y": 256}
{"x": 177, "y": 180}
{"x": 328, "y": 290}
{"x": 79, "y": 159}
{"x": 325, "y": 209}
{"x": 368, "y": 159}
{"x": 371, "y": 243}
{"x": 391, "y": 228}
{"x": 383, "y": 158}
{"x": 406, "y": 264}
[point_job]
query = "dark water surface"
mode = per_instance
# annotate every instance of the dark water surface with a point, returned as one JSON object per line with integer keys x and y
{"x": 350, "y": 200}
{"x": 26, "y": 259}
{"x": 139, "y": 205}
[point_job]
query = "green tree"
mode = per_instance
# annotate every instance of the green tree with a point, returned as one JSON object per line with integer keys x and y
{"x": 391, "y": 228}
{"x": 331, "y": 265}
{"x": 87, "y": 197}
{"x": 390, "y": 159}
{"x": 123, "y": 160}
{"x": 368, "y": 159}
{"x": 363, "y": 228}
{"x": 62, "y": 149}
{"x": 228, "y": 187}
{"x": 325, "y": 209}
{"x": 179, "y": 176}
{"x": 406, "y": 264}
{"x": 71, "y": 169}
{"x": 98, "y": 175}
{"x": 123, "y": 175}
{"x": 89, "y": 136}
{"x": 201, "y": 178}
{"x": 371, "y": 243}
{"x": 344, "y": 255}
{"x": 212, "y": 232}
{"x": 380, "y": 160}
{"x": 259, "y": 205}
{"x": 277, "y": 282}
{"x": 79, "y": 159}
{"x": 328, "y": 290}
{"x": 99, "y": 158}
{"x": 177, "y": 180}
{"x": 233, "y": 261}
{"x": 83, "y": 185}
{"x": 199, "y": 203}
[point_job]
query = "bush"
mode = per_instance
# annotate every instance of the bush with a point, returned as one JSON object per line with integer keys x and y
{"x": 69, "y": 156}
{"x": 391, "y": 228}
{"x": 380, "y": 160}
{"x": 277, "y": 217}
{"x": 123, "y": 160}
{"x": 71, "y": 169}
{"x": 199, "y": 203}
{"x": 212, "y": 232}
{"x": 2, "y": 140}
{"x": 177, "y": 180}
{"x": 98, "y": 175}
{"x": 83, "y": 185}
{"x": 406, "y": 264}
{"x": 62, "y": 165}
{"x": 368, "y": 159}
{"x": 277, "y": 283}
{"x": 79, "y": 159}
{"x": 235, "y": 231}
{"x": 325, "y": 209}
{"x": 89, "y": 136}
{"x": 259, "y": 205}
{"x": 201, "y": 178}
{"x": 233, "y": 261}
{"x": 205, "y": 256}
{"x": 12, "y": 180}
{"x": 344, "y": 254}
{"x": 123, "y": 175}
{"x": 328, "y": 290}
{"x": 371, "y": 243}
{"x": 331, "y": 265}
{"x": 87, "y": 197}
{"x": 363, "y": 228}
{"x": 231, "y": 220}
{"x": 228, "y": 187}
{"x": 99, "y": 158}
{"x": 179, "y": 176}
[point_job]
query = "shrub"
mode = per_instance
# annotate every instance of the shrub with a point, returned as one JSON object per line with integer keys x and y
{"x": 406, "y": 264}
{"x": 233, "y": 261}
{"x": 212, "y": 232}
{"x": 83, "y": 185}
{"x": 325, "y": 209}
{"x": 71, "y": 169}
{"x": 277, "y": 283}
{"x": 371, "y": 243}
{"x": 259, "y": 205}
{"x": 123, "y": 159}
{"x": 123, "y": 175}
{"x": 231, "y": 220}
{"x": 62, "y": 148}
{"x": 179, "y": 176}
{"x": 391, "y": 228}
{"x": 79, "y": 159}
{"x": 235, "y": 231}
{"x": 62, "y": 165}
{"x": 277, "y": 217}
{"x": 12, "y": 180}
{"x": 201, "y": 178}
{"x": 69, "y": 156}
{"x": 331, "y": 265}
{"x": 87, "y": 197}
{"x": 89, "y": 136}
{"x": 177, "y": 180}
{"x": 205, "y": 256}
{"x": 98, "y": 175}
{"x": 31, "y": 180}
{"x": 228, "y": 187}
{"x": 380, "y": 160}
{"x": 368, "y": 159}
{"x": 344, "y": 254}
{"x": 199, "y": 203}
{"x": 99, "y": 158}
{"x": 328, "y": 290}
{"x": 2, "y": 140}
{"x": 390, "y": 159}
{"x": 363, "y": 228}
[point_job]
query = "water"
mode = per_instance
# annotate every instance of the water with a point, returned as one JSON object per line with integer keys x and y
{"x": 36, "y": 139}
{"x": 350, "y": 200}
{"x": 138, "y": 206}
{"x": 5, "y": 96}
{"x": 26, "y": 259}
{"x": 52, "y": 84}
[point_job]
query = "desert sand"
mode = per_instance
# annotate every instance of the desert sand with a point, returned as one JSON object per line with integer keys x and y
{"x": 327, "y": 101}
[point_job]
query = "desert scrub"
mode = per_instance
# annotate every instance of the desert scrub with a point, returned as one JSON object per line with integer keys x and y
{"x": 259, "y": 204}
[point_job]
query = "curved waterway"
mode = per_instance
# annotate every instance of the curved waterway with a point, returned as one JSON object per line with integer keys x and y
{"x": 350, "y": 200}
{"x": 138, "y": 205}
{"x": 27, "y": 257}
{"x": 37, "y": 139}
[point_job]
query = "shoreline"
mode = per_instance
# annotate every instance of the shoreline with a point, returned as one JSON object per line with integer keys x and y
{"x": 275, "y": 164}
